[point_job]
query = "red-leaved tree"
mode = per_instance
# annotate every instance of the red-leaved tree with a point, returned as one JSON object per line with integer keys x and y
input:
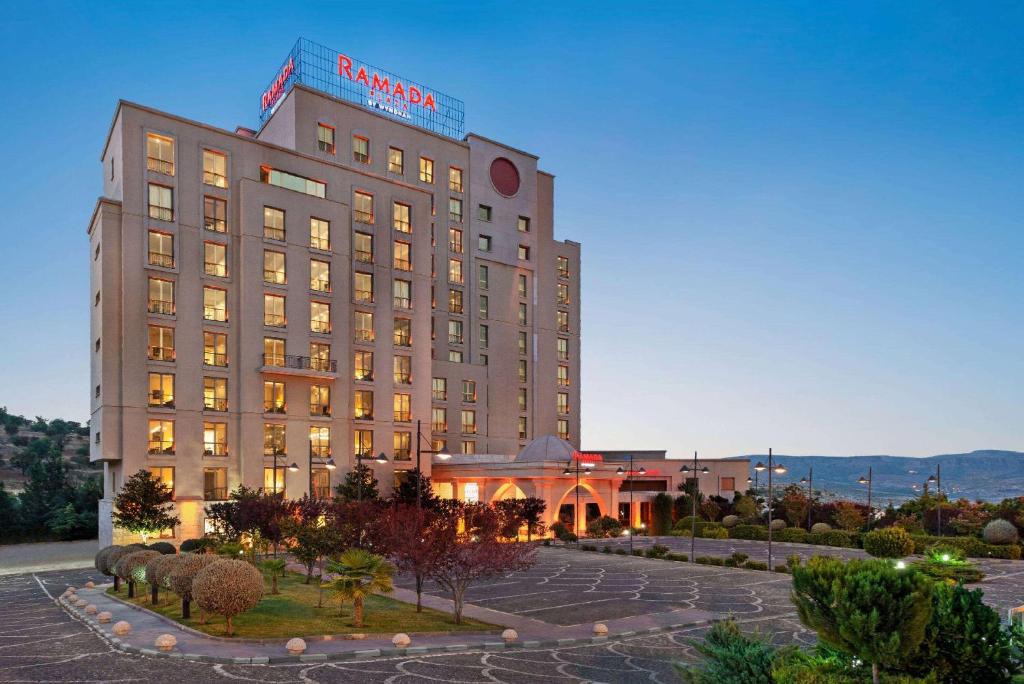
{"x": 413, "y": 538}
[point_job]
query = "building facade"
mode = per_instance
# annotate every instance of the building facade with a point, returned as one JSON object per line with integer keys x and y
{"x": 268, "y": 305}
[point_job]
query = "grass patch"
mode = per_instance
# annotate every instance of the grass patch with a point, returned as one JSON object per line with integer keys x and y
{"x": 293, "y": 613}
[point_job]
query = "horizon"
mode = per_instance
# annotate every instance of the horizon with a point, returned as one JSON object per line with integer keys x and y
{"x": 828, "y": 230}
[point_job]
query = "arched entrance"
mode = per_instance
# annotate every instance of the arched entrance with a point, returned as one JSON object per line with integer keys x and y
{"x": 590, "y": 502}
{"x": 509, "y": 490}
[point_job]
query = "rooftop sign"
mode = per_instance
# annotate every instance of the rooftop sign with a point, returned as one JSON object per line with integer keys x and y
{"x": 346, "y": 78}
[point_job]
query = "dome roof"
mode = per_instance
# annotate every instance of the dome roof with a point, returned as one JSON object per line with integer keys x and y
{"x": 546, "y": 449}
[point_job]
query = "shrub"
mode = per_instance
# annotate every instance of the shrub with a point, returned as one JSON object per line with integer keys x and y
{"x": 888, "y": 542}
{"x": 709, "y": 560}
{"x": 657, "y": 551}
{"x": 730, "y": 521}
{"x": 569, "y": 538}
{"x": 182, "y": 571}
{"x": 194, "y": 545}
{"x": 621, "y": 552}
{"x": 1000, "y": 532}
{"x": 840, "y": 538}
{"x": 157, "y": 570}
{"x": 605, "y": 526}
{"x": 971, "y": 546}
{"x": 680, "y": 557}
{"x": 227, "y": 588}
{"x": 637, "y": 552}
{"x": 588, "y": 547}
{"x": 606, "y": 549}
{"x": 162, "y": 547}
{"x": 132, "y": 566}
{"x": 559, "y": 528}
{"x": 778, "y": 524}
{"x": 732, "y": 657}
{"x": 230, "y": 550}
{"x": 661, "y": 513}
{"x": 686, "y": 522}
{"x": 755, "y": 565}
{"x": 820, "y": 528}
{"x": 781, "y": 567}
{"x": 848, "y": 516}
{"x": 792, "y": 534}
{"x": 102, "y": 559}
{"x": 736, "y": 559}
{"x": 744, "y": 531}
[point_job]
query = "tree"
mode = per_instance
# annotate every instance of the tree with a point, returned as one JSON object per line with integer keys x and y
{"x": 274, "y": 567}
{"x": 10, "y": 516}
{"x": 360, "y": 573}
{"x": 46, "y": 492}
{"x": 795, "y": 505}
{"x": 412, "y": 540}
{"x": 349, "y": 489}
{"x": 734, "y": 657}
{"x": 311, "y": 541}
{"x": 227, "y": 587}
{"x": 533, "y": 514}
{"x": 510, "y": 517}
{"x": 254, "y": 513}
{"x": 405, "y": 489}
{"x": 868, "y": 609}
{"x": 848, "y": 516}
{"x": 38, "y": 449}
{"x": 143, "y": 506}
{"x": 661, "y": 514}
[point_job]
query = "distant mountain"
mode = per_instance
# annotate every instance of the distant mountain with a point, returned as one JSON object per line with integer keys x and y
{"x": 988, "y": 475}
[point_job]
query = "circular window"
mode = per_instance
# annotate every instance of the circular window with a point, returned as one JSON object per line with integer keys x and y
{"x": 504, "y": 177}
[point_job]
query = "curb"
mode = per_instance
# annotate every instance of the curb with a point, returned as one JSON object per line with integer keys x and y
{"x": 368, "y": 654}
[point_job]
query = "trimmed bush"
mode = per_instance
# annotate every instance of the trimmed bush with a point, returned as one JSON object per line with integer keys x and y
{"x": 795, "y": 535}
{"x": 228, "y": 588}
{"x": 730, "y": 521}
{"x": 680, "y": 557}
{"x": 162, "y": 547}
{"x": 736, "y": 560}
{"x": 839, "y": 538}
{"x": 755, "y": 532}
{"x": 132, "y": 566}
{"x": 778, "y": 524}
{"x": 685, "y": 522}
{"x": 588, "y": 547}
{"x": 183, "y": 570}
{"x": 971, "y": 546}
{"x": 605, "y": 526}
{"x": 638, "y": 552}
{"x": 709, "y": 560}
{"x": 101, "y": 562}
{"x": 606, "y": 549}
{"x": 888, "y": 542}
{"x": 1000, "y": 532}
{"x": 157, "y": 570}
{"x": 755, "y": 565}
{"x": 621, "y": 552}
{"x": 194, "y": 545}
{"x": 657, "y": 551}
{"x": 820, "y": 528}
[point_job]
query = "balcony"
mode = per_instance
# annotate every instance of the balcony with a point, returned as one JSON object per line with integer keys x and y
{"x": 216, "y": 494}
{"x": 304, "y": 366}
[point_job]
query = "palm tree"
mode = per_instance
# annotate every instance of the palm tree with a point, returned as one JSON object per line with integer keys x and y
{"x": 359, "y": 573}
{"x": 275, "y": 567}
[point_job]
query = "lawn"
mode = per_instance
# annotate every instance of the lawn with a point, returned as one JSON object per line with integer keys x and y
{"x": 294, "y": 612}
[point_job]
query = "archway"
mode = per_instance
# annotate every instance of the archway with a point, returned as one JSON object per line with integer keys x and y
{"x": 570, "y": 497}
{"x": 509, "y": 490}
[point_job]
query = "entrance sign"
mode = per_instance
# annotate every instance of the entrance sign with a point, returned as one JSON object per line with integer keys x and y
{"x": 342, "y": 76}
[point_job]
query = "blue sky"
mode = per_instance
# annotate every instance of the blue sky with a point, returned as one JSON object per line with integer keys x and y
{"x": 801, "y": 221}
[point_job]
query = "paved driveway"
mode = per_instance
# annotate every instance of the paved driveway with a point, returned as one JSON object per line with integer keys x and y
{"x": 16, "y": 558}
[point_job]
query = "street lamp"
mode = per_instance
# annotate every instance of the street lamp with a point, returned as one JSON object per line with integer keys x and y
{"x": 576, "y": 511}
{"x": 294, "y": 467}
{"x": 868, "y": 481}
{"x": 778, "y": 469}
{"x": 937, "y": 480}
{"x": 381, "y": 458}
{"x": 419, "y": 450}
{"x": 697, "y": 472}
{"x": 629, "y": 479}
{"x": 809, "y": 481}
{"x": 759, "y": 468}
{"x": 327, "y": 462}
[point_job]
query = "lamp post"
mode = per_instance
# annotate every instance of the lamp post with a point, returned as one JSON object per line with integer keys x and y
{"x": 809, "y": 481}
{"x": 937, "y": 479}
{"x": 576, "y": 511}
{"x": 326, "y": 462}
{"x": 294, "y": 467}
{"x": 778, "y": 469}
{"x": 868, "y": 481}
{"x": 419, "y": 451}
{"x": 758, "y": 469}
{"x": 381, "y": 458}
{"x": 629, "y": 479}
{"x": 685, "y": 470}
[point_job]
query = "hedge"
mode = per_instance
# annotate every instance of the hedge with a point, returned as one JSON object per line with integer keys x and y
{"x": 746, "y": 531}
{"x": 971, "y": 546}
{"x": 888, "y": 542}
{"x": 796, "y": 535}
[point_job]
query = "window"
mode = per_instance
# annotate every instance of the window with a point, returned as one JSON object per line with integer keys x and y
{"x": 363, "y": 405}
{"x": 161, "y": 436}
{"x": 524, "y": 253}
{"x": 455, "y": 356}
{"x": 325, "y": 138}
{"x": 454, "y": 332}
{"x": 363, "y": 207}
{"x": 522, "y": 313}
{"x": 455, "y": 240}
{"x": 159, "y": 154}
{"x": 522, "y": 370}
{"x": 403, "y": 332}
{"x": 215, "y": 259}
{"x": 273, "y": 311}
{"x": 469, "y": 421}
{"x": 522, "y": 428}
{"x": 215, "y": 394}
{"x": 439, "y": 389}
{"x": 321, "y": 481}
{"x": 484, "y": 212}
{"x": 403, "y": 446}
{"x": 469, "y": 391}
{"x": 439, "y": 419}
{"x": 402, "y": 260}
{"x": 563, "y": 403}
{"x": 562, "y": 318}
{"x": 319, "y": 276}
{"x": 472, "y": 488}
{"x": 727, "y": 483}
{"x": 161, "y": 249}
{"x": 274, "y": 439}
{"x": 484, "y": 277}
{"x": 426, "y": 170}
{"x": 402, "y": 370}
{"x": 273, "y": 397}
{"x": 215, "y": 484}
{"x": 320, "y": 234}
{"x": 273, "y": 224}
{"x": 563, "y": 349}
{"x": 161, "y": 343}
{"x": 164, "y": 475}
{"x": 455, "y": 209}
{"x": 363, "y": 286}
{"x": 562, "y": 296}
{"x": 441, "y": 447}
{"x": 483, "y": 243}
{"x": 563, "y": 429}
{"x": 273, "y": 479}
{"x": 403, "y": 410}
{"x": 522, "y": 342}
{"x": 484, "y": 306}
{"x": 455, "y": 271}
{"x": 363, "y": 247}
{"x": 521, "y": 285}
{"x": 320, "y": 317}
{"x": 563, "y": 267}
{"x": 363, "y": 366}
{"x": 161, "y": 296}
{"x": 320, "y": 357}
{"x": 161, "y": 202}
{"x": 290, "y": 181}
{"x": 320, "y": 441}
{"x": 320, "y": 400}
{"x": 363, "y": 445}
{"x": 215, "y": 439}
{"x": 215, "y": 169}
{"x": 215, "y": 349}
{"x": 484, "y": 336}
{"x": 215, "y": 306}
{"x": 400, "y": 217}
{"x": 454, "y": 179}
{"x": 563, "y": 376}
{"x": 215, "y": 214}
{"x": 161, "y": 390}
{"x": 273, "y": 351}
{"x": 273, "y": 268}
{"x": 522, "y": 398}
{"x": 363, "y": 326}
{"x": 402, "y": 292}
{"x": 396, "y": 160}
{"x": 360, "y": 149}
{"x": 523, "y": 224}
{"x": 455, "y": 301}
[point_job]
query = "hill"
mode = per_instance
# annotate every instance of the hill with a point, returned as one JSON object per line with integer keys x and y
{"x": 23, "y": 441}
{"x": 989, "y": 475}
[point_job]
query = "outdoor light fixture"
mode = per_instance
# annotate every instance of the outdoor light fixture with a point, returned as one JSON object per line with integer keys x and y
{"x": 868, "y": 481}
{"x": 381, "y": 458}
{"x": 779, "y": 469}
{"x": 945, "y": 557}
{"x": 863, "y": 480}
{"x": 330, "y": 465}
{"x": 900, "y": 565}
{"x": 444, "y": 456}
{"x": 760, "y": 467}
{"x": 620, "y": 471}
{"x": 641, "y": 471}
{"x": 567, "y": 471}
{"x": 294, "y": 467}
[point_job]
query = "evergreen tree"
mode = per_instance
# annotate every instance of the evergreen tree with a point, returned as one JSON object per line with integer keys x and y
{"x": 10, "y": 516}
{"x": 46, "y": 492}
{"x": 405, "y": 490}
{"x": 349, "y": 489}
{"x": 661, "y": 513}
{"x": 143, "y": 506}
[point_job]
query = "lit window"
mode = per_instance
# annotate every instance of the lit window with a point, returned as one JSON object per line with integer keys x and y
{"x": 290, "y": 181}
{"x": 455, "y": 209}
{"x": 484, "y": 212}
{"x": 320, "y": 317}
{"x": 273, "y": 397}
{"x": 273, "y": 351}
{"x": 363, "y": 405}
{"x": 455, "y": 271}
{"x": 563, "y": 402}
{"x": 562, "y": 321}
{"x": 455, "y": 301}
{"x": 363, "y": 442}
{"x": 215, "y": 484}
{"x": 439, "y": 419}
{"x": 426, "y": 170}
{"x": 215, "y": 394}
{"x": 274, "y": 439}
{"x": 563, "y": 429}
{"x": 363, "y": 366}
{"x": 402, "y": 260}
{"x": 215, "y": 259}
{"x": 161, "y": 343}
{"x": 161, "y": 202}
{"x": 320, "y": 234}
{"x": 454, "y": 332}
{"x": 522, "y": 370}
{"x": 524, "y": 253}
{"x": 402, "y": 370}
{"x": 400, "y": 220}
{"x": 363, "y": 286}
{"x": 455, "y": 240}
{"x": 522, "y": 428}
{"x": 160, "y": 154}
{"x": 563, "y": 376}
{"x": 403, "y": 332}
{"x": 215, "y": 169}
{"x": 215, "y": 214}
{"x": 523, "y": 224}
{"x": 164, "y": 475}
{"x": 161, "y": 249}
{"x": 522, "y": 398}
{"x": 273, "y": 311}
{"x": 484, "y": 243}
{"x": 363, "y": 207}
{"x": 215, "y": 439}
{"x": 273, "y": 479}
{"x": 469, "y": 391}
{"x": 468, "y": 422}
{"x": 563, "y": 267}
{"x": 403, "y": 446}
{"x": 273, "y": 223}
{"x": 161, "y": 296}
{"x": 521, "y": 285}
{"x": 215, "y": 349}
{"x": 469, "y": 447}
{"x": 273, "y": 268}
{"x": 215, "y": 304}
{"x": 161, "y": 436}
{"x": 325, "y": 138}
{"x": 439, "y": 389}
{"x": 402, "y": 293}
{"x": 563, "y": 349}
{"x": 360, "y": 149}
{"x": 562, "y": 296}
{"x": 363, "y": 326}
{"x": 320, "y": 441}
{"x": 403, "y": 410}
{"x": 319, "y": 400}
{"x": 319, "y": 276}
{"x": 454, "y": 179}
{"x": 363, "y": 247}
{"x": 396, "y": 160}
{"x": 320, "y": 357}
{"x": 522, "y": 342}
{"x": 161, "y": 390}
